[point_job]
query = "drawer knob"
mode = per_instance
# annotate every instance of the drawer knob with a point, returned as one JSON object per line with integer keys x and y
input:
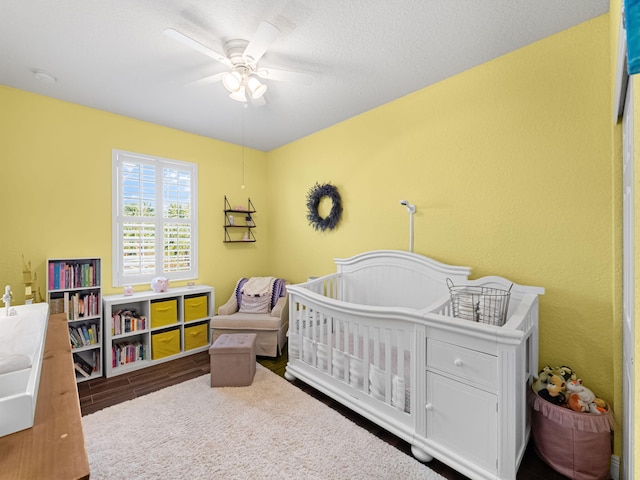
{"x": 457, "y": 362}
{"x": 428, "y": 406}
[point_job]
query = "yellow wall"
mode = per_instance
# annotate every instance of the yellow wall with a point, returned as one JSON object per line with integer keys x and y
{"x": 509, "y": 165}
{"x": 56, "y": 189}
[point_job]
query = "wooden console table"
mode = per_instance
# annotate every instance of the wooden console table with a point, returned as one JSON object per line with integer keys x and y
{"x": 54, "y": 447}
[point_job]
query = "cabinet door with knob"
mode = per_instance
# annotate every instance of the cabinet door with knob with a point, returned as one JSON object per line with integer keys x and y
{"x": 462, "y": 419}
{"x": 461, "y": 400}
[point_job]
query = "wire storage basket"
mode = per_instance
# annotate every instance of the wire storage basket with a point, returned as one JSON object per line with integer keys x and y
{"x": 479, "y": 304}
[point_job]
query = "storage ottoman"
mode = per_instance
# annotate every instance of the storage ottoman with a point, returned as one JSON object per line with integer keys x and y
{"x": 233, "y": 360}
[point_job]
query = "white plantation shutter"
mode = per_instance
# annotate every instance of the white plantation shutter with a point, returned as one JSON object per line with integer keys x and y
{"x": 138, "y": 249}
{"x": 154, "y": 218}
{"x": 177, "y": 247}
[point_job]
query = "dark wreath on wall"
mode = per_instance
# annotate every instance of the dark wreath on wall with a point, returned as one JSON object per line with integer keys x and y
{"x": 314, "y": 196}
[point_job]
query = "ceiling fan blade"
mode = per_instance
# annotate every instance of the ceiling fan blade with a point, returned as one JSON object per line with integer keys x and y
{"x": 264, "y": 36}
{"x": 284, "y": 75}
{"x": 190, "y": 42}
{"x": 208, "y": 80}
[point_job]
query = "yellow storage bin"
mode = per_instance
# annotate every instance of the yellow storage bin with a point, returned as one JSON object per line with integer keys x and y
{"x": 195, "y": 308}
{"x": 196, "y": 336}
{"x": 164, "y": 313}
{"x": 165, "y": 343}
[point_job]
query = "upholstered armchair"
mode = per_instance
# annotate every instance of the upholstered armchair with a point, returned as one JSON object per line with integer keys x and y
{"x": 270, "y": 323}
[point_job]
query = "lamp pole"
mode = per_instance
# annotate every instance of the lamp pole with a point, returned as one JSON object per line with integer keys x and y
{"x": 411, "y": 209}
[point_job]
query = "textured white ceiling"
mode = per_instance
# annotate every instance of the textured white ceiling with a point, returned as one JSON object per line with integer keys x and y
{"x": 112, "y": 54}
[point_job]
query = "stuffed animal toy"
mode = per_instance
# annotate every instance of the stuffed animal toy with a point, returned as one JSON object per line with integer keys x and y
{"x": 540, "y": 382}
{"x": 582, "y": 399}
{"x": 565, "y": 372}
{"x": 555, "y": 391}
{"x": 574, "y": 403}
{"x": 542, "y": 378}
{"x": 601, "y": 405}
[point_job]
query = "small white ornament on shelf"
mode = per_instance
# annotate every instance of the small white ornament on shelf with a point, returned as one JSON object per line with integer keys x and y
{"x": 160, "y": 284}
{"x": 6, "y": 298}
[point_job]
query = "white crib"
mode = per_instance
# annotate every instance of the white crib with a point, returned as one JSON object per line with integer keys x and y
{"x": 379, "y": 336}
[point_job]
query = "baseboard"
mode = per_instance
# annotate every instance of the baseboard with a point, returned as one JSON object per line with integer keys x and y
{"x": 614, "y": 470}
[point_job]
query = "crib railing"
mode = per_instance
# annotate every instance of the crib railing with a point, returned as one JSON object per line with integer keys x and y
{"x": 329, "y": 286}
{"x": 368, "y": 350}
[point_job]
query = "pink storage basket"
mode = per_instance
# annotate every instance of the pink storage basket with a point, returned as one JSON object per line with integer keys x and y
{"x": 577, "y": 445}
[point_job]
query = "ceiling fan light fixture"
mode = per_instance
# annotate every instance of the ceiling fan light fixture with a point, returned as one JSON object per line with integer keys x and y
{"x": 239, "y": 95}
{"x": 232, "y": 81}
{"x": 256, "y": 88}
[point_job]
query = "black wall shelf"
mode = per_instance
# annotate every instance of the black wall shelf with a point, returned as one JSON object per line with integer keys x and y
{"x": 240, "y": 220}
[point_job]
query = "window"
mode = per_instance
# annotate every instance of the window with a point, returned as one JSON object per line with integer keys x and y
{"x": 155, "y": 218}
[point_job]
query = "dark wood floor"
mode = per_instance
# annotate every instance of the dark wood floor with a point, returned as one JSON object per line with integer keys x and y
{"x": 100, "y": 393}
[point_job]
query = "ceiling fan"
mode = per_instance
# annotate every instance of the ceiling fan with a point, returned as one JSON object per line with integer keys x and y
{"x": 242, "y": 56}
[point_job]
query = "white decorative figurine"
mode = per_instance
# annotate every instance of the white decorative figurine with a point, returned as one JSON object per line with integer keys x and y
{"x": 6, "y": 298}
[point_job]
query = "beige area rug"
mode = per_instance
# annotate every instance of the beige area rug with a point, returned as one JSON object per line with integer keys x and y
{"x": 269, "y": 430}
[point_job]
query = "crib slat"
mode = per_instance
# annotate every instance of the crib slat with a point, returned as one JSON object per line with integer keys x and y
{"x": 400, "y": 353}
{"x": 387, "y": 364}
{"x": 376, "y": 347}
{"x": 365, "y": 358}
{"x": 349, "y": 350}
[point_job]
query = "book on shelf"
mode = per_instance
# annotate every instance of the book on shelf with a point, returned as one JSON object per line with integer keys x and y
{"x": 74, "y": 341}
{"x": 78, "y": 361}
{"x": 82, "y": 305}
{"x": 96, "y": 360}
{"x": 74, "y": 274}
{"x": 127, "y": 321}
{"x": 84, "y": 335}
{"x": 80, "y": 335}
{"x": 74, "y": 307}
{"x": 79, "y": 369}
{"x": 124, "y": 353}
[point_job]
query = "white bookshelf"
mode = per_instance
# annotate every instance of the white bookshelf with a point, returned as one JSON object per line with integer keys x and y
{"x": 74, "y": 287}
{"x": 161, "y": 326}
